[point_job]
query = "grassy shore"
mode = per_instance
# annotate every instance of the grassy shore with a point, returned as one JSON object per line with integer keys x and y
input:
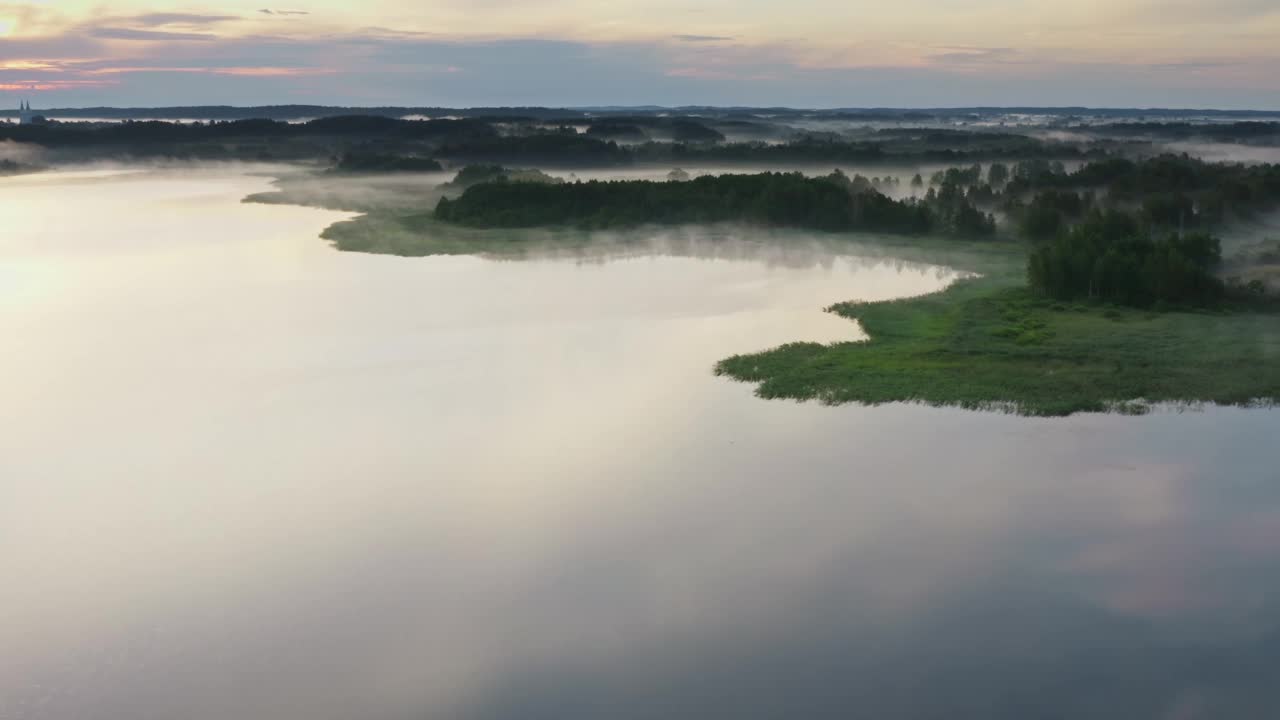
{"x": 984, "y": 343}
{"x": 420, "y": 235}
{"x": 987, "y": 343}
{"x": 392, "y": 219}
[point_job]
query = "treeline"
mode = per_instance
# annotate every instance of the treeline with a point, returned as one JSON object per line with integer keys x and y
{"x": 832, "y": 203}
{"x": 1225, "y": 132}
{"x": 944, "y": 143}
{"x": 567, "y": 150}
{"x": 131, "y": 132}
{"x": 551, "y": 149}
{"x": 616, "y": 130}
{"x": 819, "y": 151}
{"x": 642, "y": 127}
{"x": 598, "y": 147}
{"x": 476, "y": 174}
{"x": 1135, "y": 232}
{"x": 678, "y": 140}
{"x": 1111, "y": 256}
{"x": 373, "y": 162}
{"x": 303, "y": 112}
{"x": 1169, "y": 192}
{"x": 10, "y": 167}
{"x": 800, "y": 151}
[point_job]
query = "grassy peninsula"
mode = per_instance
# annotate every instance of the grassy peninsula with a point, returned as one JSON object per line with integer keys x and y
{"x": 1109, "y": 316}
{"x": 989, "y": 343}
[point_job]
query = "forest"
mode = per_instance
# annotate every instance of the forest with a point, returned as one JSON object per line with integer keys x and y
{"x": 1246, "y": 130}
{"x": 1167, "y": 191}
{"x": 373, "y": 162}
{"x": 1134, "y": 232}
{"x": 533, "y": 139}
{"x": 1111, "y": 257}
{"x": 60, "y": 134}
{"x": 831, "y": 203}
{"x": 552, "y": 149}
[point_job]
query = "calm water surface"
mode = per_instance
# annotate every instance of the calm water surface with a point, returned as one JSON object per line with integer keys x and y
{"x": 244, "y": 476}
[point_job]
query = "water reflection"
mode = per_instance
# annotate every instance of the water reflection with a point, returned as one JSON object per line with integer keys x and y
{"x": 243, "y": 475}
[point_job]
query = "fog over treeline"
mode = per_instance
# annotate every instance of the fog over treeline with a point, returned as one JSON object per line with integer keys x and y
{"x": 1029, "y": 173}
{"x": 528, "y": 141}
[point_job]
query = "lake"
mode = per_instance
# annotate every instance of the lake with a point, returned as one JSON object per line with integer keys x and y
{"x": 243, "y": 475}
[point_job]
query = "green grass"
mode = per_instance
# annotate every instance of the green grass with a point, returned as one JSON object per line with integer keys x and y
{"x": 419, "y": 235}
{"x": 987, "y": 343}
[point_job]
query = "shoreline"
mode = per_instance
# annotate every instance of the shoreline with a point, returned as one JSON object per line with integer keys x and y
{"x": 983, "y": 343}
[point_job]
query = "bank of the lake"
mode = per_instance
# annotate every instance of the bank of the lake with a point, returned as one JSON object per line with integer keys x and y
{"x": 987, "y": 344}
{"x": 983, "y": 343}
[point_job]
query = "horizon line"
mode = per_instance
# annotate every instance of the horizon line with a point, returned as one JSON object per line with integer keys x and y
{"x": 652, "y": 106}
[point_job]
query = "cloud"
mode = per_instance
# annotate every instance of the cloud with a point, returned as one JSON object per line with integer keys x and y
{"x": 156, "y": 19}
{"x": 374, "y": 66}
{"x": 235, "y": 70}
{"x": 49, "y": 85}
{"x": 989, "y": 60}
{"x": 1192, "y": 65}
{"x": 697, "y": 73}
{"x": 269, "y": 11}
{"x": 40, "y": 65}
{"x": 114, "y": 33}
{"x": 701, "y": 38}
{"x": 972, "y": 55}
{"x": 1196, "y": 10}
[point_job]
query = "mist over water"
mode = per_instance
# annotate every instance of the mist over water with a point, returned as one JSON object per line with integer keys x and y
{"x": 243, "y": 475}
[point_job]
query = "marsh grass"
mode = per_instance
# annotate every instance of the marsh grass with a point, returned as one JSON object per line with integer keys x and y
{"x": 988, "y": 343}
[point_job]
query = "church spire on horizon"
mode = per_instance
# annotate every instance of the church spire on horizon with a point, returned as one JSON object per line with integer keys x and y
{"x": 26, "y": 116}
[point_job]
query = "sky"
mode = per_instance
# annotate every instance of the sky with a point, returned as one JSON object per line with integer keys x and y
{"x": 801, "y": 53}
